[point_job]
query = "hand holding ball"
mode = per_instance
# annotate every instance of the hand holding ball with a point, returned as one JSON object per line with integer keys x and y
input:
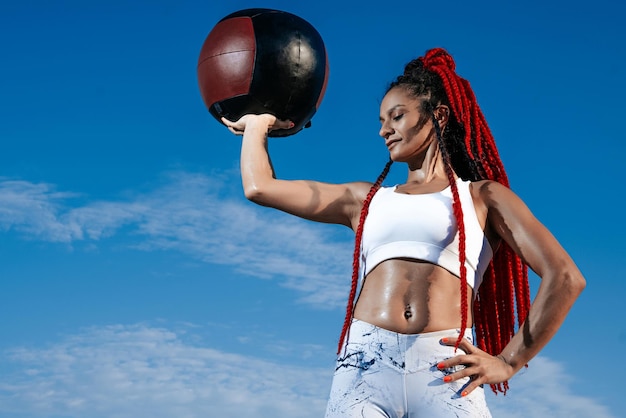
{"x": 263, "y": 61}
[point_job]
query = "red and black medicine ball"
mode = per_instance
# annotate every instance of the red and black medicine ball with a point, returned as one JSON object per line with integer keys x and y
{"x": 263, "y": 61}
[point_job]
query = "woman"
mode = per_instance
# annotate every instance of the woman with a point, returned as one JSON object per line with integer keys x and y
{"x": 453, "y": 236}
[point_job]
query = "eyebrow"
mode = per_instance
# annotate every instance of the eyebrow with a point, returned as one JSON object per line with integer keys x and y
{"x": 390, "y": 111}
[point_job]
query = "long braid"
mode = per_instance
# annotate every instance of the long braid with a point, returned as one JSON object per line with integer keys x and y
{"x": 458, "y": 214}
{"x": 356, "y": 257}
{"x": 472, "y": 153}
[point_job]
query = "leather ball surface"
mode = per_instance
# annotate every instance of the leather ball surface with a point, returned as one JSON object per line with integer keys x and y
{"x": 263, "y": 61}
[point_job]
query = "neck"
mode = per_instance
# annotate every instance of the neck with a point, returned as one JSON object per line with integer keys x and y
{"x": 428, "y": 167}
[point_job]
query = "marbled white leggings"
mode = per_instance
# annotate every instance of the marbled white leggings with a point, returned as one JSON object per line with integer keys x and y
{"x": 383, "y": 374}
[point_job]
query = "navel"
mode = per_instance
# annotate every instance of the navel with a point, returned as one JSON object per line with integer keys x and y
{"x": 407, "y": 311}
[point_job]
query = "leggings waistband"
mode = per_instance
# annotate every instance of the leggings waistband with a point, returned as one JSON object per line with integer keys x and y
{"x": 361, "y": 331}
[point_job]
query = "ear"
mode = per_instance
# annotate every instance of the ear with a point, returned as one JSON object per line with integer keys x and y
{"x": 442, "y": 115}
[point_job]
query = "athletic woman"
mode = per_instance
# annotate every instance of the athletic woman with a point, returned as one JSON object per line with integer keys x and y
{"x": 437, "y": 260}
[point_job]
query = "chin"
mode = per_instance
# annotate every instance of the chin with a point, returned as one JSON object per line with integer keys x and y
{"x": 396, "y": 158}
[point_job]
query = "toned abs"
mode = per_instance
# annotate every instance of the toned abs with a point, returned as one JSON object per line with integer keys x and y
{"x": 411, "y": 297}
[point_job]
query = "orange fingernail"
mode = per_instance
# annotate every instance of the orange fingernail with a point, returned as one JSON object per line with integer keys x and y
{"x": 444, "y": 340}
{"x": 464, "y": 394}
{"x": 441, "y": 366}
{"x": 447, "y": 379}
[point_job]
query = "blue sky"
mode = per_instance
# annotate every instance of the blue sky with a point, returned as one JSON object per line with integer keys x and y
{"x": 135, "y": 279}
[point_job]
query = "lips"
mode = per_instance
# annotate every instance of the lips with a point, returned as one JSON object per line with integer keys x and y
{"x": 390, "y": 142}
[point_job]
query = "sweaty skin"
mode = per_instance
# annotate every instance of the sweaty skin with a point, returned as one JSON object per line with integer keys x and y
{"x": 410, "y": 296}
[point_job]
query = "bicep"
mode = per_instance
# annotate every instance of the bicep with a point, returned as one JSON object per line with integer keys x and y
{"x": 312, "y": 200}
{"x": 511, "y": 219}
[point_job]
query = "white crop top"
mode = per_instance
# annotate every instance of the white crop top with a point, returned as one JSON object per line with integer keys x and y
{"x": 423, "y": 227}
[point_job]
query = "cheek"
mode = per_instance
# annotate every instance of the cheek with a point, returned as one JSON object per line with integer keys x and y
{"x": 414, "y": 132}
{"x": 414, "y": 127}
{"x": 424, "y": 133}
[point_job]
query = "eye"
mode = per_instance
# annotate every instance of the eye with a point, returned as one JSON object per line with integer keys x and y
{"x": 398, "y": 117}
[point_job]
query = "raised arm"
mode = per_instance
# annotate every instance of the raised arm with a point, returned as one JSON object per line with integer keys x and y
{"x": 561, "y": 283}
{"x": 317, "y": 201}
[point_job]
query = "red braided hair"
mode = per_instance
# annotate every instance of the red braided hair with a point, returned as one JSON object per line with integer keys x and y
{"x": 468, "y": 150}
{"x": 505, "y": 290}
{"x": 458, "y": 215}
{"x": 357, "y": 252}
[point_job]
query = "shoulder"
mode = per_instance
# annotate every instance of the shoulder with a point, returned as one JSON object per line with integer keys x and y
{"x": 482, "y": 186}
{"x": 501, "y": 204}
{"x": 490, "y": 192}
{"x": 493, "y": 198}
{"x": 359, "y": 189}
{"x": 498, "y": 208}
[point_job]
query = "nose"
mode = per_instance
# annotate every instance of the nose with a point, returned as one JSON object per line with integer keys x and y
{"x": 385, "y": 130}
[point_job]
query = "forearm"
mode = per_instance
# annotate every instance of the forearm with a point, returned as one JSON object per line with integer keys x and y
{"x": 255, "y": 164}
{"x": 316, "y": 201}
{"x": 554, "y": 299}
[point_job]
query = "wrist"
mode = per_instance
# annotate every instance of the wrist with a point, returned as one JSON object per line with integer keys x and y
{"x": 262, "y": 122}
{"x": 510, "y": 362}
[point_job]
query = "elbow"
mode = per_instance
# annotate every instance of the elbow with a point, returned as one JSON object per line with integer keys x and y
{"x": 575, "y": 282}
{"x": 254, "y": 194}
{"x": 251, "y": 192}
{"x": 581, "y": 283}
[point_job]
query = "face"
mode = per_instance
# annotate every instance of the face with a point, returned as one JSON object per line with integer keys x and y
{"x": 406, "y": 131}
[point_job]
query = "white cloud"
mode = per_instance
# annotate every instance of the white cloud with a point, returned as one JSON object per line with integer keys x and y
{"x": 127, "y": 370}
{"x": 544, "y": 390}
{"x": 32, "y": 209}
{"x": 140, "y": 371}
{"x": 137, "y": 370}
{"x": 191, "y": 214}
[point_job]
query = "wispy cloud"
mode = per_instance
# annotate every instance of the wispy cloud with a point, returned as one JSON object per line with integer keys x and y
{"x": 191, "y": 214}
{"x": 140, "y": 370}
{"x": 544, "y": 390}
{"x": 33, "y": 210}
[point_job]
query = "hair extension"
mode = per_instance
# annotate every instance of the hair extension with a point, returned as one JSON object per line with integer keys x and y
{"x": 458, "y": 214}
{"x": 506, "y": 291}
{"x": 469, "y": 150}
{"x": 357, "y": 252}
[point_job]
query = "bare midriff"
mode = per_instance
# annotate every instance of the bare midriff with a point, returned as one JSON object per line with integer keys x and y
{"x": 412, "y": 297}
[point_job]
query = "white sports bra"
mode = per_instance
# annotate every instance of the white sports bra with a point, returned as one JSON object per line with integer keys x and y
{"x": 423, "y": 227}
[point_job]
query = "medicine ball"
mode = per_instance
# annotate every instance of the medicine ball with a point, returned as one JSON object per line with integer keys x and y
{"x": 263, "y": 61}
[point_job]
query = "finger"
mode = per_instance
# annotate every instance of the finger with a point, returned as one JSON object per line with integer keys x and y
{"x": 469, "y": 388}
{"x": 474, "y": 381}
{"x": 464, "y": 344}
{"x": 461, "y": 360}
{"x": 455, "y": 360}
{"x": 283, "y": 124}
{"x": 235, "y": 131}
{"x": 449, "y": 341}
{"x": 471, "y": 372}
{"x": 467, "y": 346}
